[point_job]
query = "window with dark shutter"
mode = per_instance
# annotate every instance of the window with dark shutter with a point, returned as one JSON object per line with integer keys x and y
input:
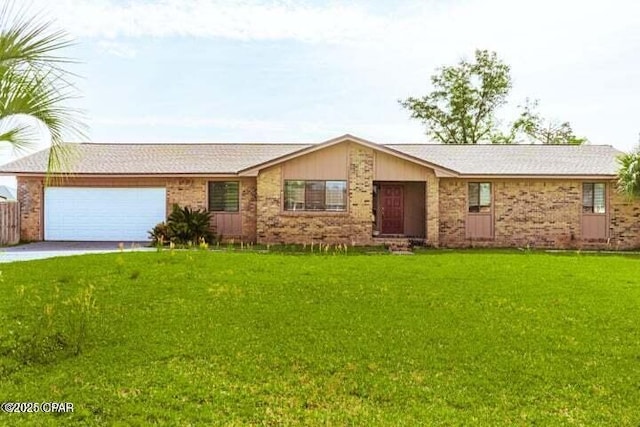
{"x": 224, "y": 196}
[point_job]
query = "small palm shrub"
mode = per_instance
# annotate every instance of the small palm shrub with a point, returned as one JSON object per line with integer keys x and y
{"x": 629, "y": 174}
{"x": 160, "y": 234}
{"x": 183, "y": 226}
{"x": 187, "y": 225}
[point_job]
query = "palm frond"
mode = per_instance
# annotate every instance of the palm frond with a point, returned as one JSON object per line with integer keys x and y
{"x": 42, "y": 96}
{"x": 25, "y": 39}
{"x": 34, "y": 84}
{"x": 20, "y": 136}
{"x": 629, "y": 175}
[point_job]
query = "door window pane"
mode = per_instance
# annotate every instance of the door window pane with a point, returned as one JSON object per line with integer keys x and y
{"x": 485, "y": 194}
{"x": 479, "y": 197}
{"x": 594, "y": 197}
{"x": 598, "y": 198}
{"x": 474, "y": 196}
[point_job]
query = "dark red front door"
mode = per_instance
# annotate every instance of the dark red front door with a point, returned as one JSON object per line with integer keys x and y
{"x": 392, "y": 206}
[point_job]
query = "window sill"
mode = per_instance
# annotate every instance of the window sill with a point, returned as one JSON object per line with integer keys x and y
{"x": 314, "y": 213}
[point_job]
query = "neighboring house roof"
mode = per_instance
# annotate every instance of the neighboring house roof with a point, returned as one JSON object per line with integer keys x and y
{"x": 451, "y": 160}
{"x": 7, "y": 193}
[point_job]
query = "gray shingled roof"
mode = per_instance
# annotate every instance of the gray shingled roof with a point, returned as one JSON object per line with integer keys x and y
{"x": 90, "y": 158}
{"x": 517, "y": 159}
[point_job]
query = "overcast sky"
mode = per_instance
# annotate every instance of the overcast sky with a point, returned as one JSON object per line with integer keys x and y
{"x": 207, "y": 70}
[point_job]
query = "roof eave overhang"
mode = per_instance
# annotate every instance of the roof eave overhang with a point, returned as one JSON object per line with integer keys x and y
{"x": 124, "y": 175}
{"x": 538, "y": 176}
{"x": 236, "y": 175}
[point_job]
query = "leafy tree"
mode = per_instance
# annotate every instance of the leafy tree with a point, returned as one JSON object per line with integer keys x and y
{"x": 629, "y": 174}
{"x": 461, "y": 109}
{"x": 34, "y": 86}
{"x": 549, "y": 132}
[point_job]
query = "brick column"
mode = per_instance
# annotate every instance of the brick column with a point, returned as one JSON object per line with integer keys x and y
{"x": 268, "y": 205}
{"x": 248, "y": 208}
{"x": 30, "y": 195}
{"x": 361, "y": 193}
{"x": 432, "y": 215}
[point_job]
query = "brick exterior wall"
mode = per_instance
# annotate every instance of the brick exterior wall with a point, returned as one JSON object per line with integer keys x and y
{"x": 537, "y": 213}
{"x": 248, "y": 207}
{"x": 30, "y": 194}
{"x": 351, "y": 227}
{"x": 624, "y": 221}
{"x": 452, "y": 212}
{"x": 191, "y": 192}
{"x": 433, "y": 210}
{"x": 533, "y": 213}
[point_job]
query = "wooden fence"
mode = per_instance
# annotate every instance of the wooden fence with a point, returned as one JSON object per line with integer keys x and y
{"x": 9, "y": 223}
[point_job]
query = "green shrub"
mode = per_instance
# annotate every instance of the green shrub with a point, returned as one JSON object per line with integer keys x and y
{"x": 188, "y": 226}
{"x": 160, "y": 234}
{"x": 184, "y": 226}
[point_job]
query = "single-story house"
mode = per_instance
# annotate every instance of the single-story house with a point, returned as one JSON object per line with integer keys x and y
{"x": 345, "y": 190}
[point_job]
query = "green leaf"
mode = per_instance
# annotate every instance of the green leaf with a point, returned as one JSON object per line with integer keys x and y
{"x": 35, "y": 87}
{"x": 462, "y": 106}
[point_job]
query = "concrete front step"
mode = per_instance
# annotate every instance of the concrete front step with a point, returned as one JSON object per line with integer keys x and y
{"x": 397, "y": 244}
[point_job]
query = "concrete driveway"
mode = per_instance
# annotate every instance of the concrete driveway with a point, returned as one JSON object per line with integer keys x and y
{"x": 41, "y": 250}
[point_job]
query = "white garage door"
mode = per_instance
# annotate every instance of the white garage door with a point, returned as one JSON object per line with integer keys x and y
{"x": 115, "y": 214}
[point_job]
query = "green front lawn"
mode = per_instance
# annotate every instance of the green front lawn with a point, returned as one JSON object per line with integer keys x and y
{"x": 247, "y": 338}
